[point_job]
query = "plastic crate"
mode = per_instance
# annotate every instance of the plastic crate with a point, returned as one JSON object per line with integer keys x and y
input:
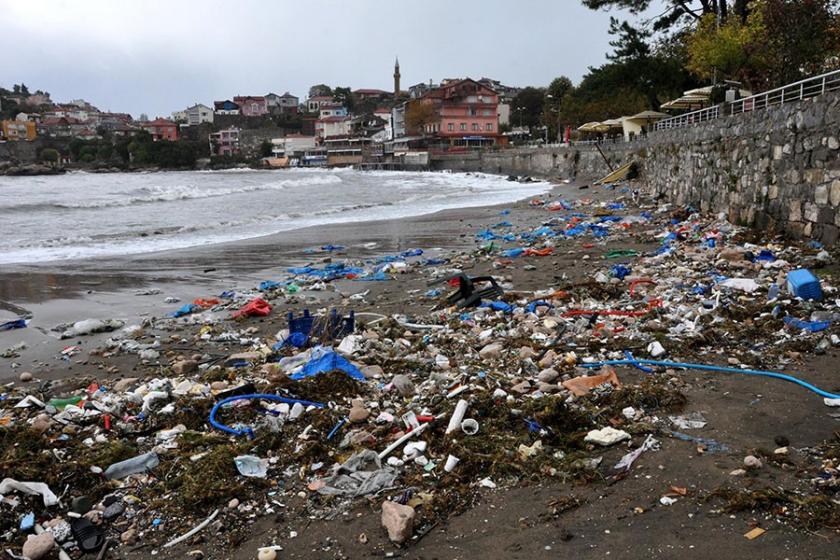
{"x": 804, "y": 284}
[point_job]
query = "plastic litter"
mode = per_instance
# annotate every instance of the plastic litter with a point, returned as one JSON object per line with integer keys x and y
{"x": 457, "y": 416}
{"x": 136, "y": 465}
{"x": 16, "y": 324}
{"x": 91, "y": 326}
{"x": 257, "y": 307}
{"x": 325, "y": 360}
{"x": 33, "y": 488}
{"x": 257, "y": 396}
{"x": 251, "y": 466}
{"x": 802, "y": 283}
{"x": 360, "y": 475}
{"x": 773, "y": 374}
{"x": 812, "y": 326}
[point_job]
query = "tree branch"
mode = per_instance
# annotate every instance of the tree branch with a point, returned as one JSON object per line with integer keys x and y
{"x": 688, "y": 10}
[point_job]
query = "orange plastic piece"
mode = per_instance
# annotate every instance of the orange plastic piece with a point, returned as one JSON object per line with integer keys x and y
{"x": 580, "y": 386}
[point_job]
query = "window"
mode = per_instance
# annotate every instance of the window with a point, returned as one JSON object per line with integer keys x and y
{"x": 488, "y": 126}
{"x": 487, "y": 113}
{"x": 476, "y": 126}
{"x": 463, "y": 126}
{"x": 451, "y": 127}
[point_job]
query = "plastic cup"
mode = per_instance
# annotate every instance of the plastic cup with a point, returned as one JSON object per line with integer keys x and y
{"x": 451, "y": 461}
{"x": 469, "y": 426}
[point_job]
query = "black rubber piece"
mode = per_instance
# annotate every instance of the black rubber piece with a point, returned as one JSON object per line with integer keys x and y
{"x": 89, "y": 536}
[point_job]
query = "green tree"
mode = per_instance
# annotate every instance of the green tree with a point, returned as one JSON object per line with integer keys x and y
{"x": 50, "y": 155}
{"x": 653, "y": 69}
{"x": 265, "y": 149}
{"x": 735, "y": 50}
{"x": 417, "y": 115}
{"x": 557, "y": 90}
{"x": 802, "y": 37}
{"x": 344, "y": 96}
{"x": 319, "y": 90}
{"x": 679, "y": 13}
{"x": 527, "y": 107}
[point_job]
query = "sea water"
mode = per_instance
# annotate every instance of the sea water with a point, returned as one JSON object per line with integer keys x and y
{"x": 86, "y": 215}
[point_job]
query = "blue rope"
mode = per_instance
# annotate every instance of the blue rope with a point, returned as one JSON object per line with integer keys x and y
{"x": 261, "y": 396}
{"x": 773, "y": 374}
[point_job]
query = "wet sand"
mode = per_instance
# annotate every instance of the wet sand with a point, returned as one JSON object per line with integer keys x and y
{"x": 622, "y": 519}
{"x": 67, "y": 291}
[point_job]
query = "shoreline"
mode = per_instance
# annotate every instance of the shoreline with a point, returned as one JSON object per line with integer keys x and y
{"x": 531, "y": 498}
{"x": 58, "y": 292}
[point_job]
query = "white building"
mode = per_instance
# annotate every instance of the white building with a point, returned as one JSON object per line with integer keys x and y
{"x": 398, "y": 121}
{"x": 504, "y": 113}
{"x": 292, "y": 144}
{"x": 334, "y": 126}
{"x": 199, "y": 114}
{"x": 286, "y": 103}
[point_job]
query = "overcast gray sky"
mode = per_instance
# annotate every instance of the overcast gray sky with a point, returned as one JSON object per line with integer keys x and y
{"x": 158, "y": 56}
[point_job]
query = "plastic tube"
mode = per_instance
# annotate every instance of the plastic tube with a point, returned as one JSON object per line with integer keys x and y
{"x": 192, "y": 531}
{"x": 413, "y": 433}
{"x": 261, "y": 396}
{"x": 704, "y": 367}
{"x": 457, "y": 416}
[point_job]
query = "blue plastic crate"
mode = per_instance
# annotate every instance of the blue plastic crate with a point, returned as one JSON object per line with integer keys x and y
{"x": 803, "y": 284}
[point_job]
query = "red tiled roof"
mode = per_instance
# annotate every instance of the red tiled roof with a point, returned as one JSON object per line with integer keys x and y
{"x": 333, "y": 119}
{"x": 160, "y": 122}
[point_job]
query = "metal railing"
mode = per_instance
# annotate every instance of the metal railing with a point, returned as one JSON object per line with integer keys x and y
{"x": 689, "y": 119}
{"x": 797, "y": 91}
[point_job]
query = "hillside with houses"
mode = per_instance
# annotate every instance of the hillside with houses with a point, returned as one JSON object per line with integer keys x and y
{"x": 336, "y": 126}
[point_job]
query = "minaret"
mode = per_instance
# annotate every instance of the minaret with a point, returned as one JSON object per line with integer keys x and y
{"x": 397, "y": 76}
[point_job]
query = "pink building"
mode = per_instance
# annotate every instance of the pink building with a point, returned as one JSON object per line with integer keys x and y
{"x": 464, "y": 111}
{"x": 225, "y": 142}
{"x": 252, "y": 106}
{"x": 161, "y": 129}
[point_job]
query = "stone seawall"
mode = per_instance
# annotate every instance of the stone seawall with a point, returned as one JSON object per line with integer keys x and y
{"x": 773, "y": 169}
{"x": 582, "y": 161}
{"x": 776, "y": 169}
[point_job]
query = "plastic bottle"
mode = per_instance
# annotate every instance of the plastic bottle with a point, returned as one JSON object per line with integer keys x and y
{"x": 135, "y": 465}
{"x": 773, "y": 292}
{"x": 60, "y": 404}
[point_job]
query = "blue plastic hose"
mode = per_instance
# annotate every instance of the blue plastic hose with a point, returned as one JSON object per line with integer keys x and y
{"x": 704, "y": 367}
{"x": 261, "y": 396}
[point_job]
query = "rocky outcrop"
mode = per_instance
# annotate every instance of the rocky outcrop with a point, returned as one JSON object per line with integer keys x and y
{"x": 7, "y": 168}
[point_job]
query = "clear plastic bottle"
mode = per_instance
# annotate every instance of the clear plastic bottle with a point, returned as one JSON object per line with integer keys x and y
{"x": 135, "y": 465}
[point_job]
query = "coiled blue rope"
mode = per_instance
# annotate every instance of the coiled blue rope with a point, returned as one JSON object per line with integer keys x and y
{"x": 704, "y": 367}
{"x": 261, "y": 396}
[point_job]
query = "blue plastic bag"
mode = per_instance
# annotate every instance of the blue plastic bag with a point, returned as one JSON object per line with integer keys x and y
{"x": 497, "y": 306}
{"x": 813, "y": 326}
{"x": 16, "y": 324}
{"x": 185, "y": 310}
{"x": 269, "y": 285}
{"x": 325, "y": 360}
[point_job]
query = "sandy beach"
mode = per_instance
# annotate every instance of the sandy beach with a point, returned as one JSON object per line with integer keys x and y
{"x": 535, "y": 514}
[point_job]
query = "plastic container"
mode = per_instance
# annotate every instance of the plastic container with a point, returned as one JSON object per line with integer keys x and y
{"x": 135, "y": 465}
{"x": 804, "y": 284}
{"x": 60, "y": 404}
